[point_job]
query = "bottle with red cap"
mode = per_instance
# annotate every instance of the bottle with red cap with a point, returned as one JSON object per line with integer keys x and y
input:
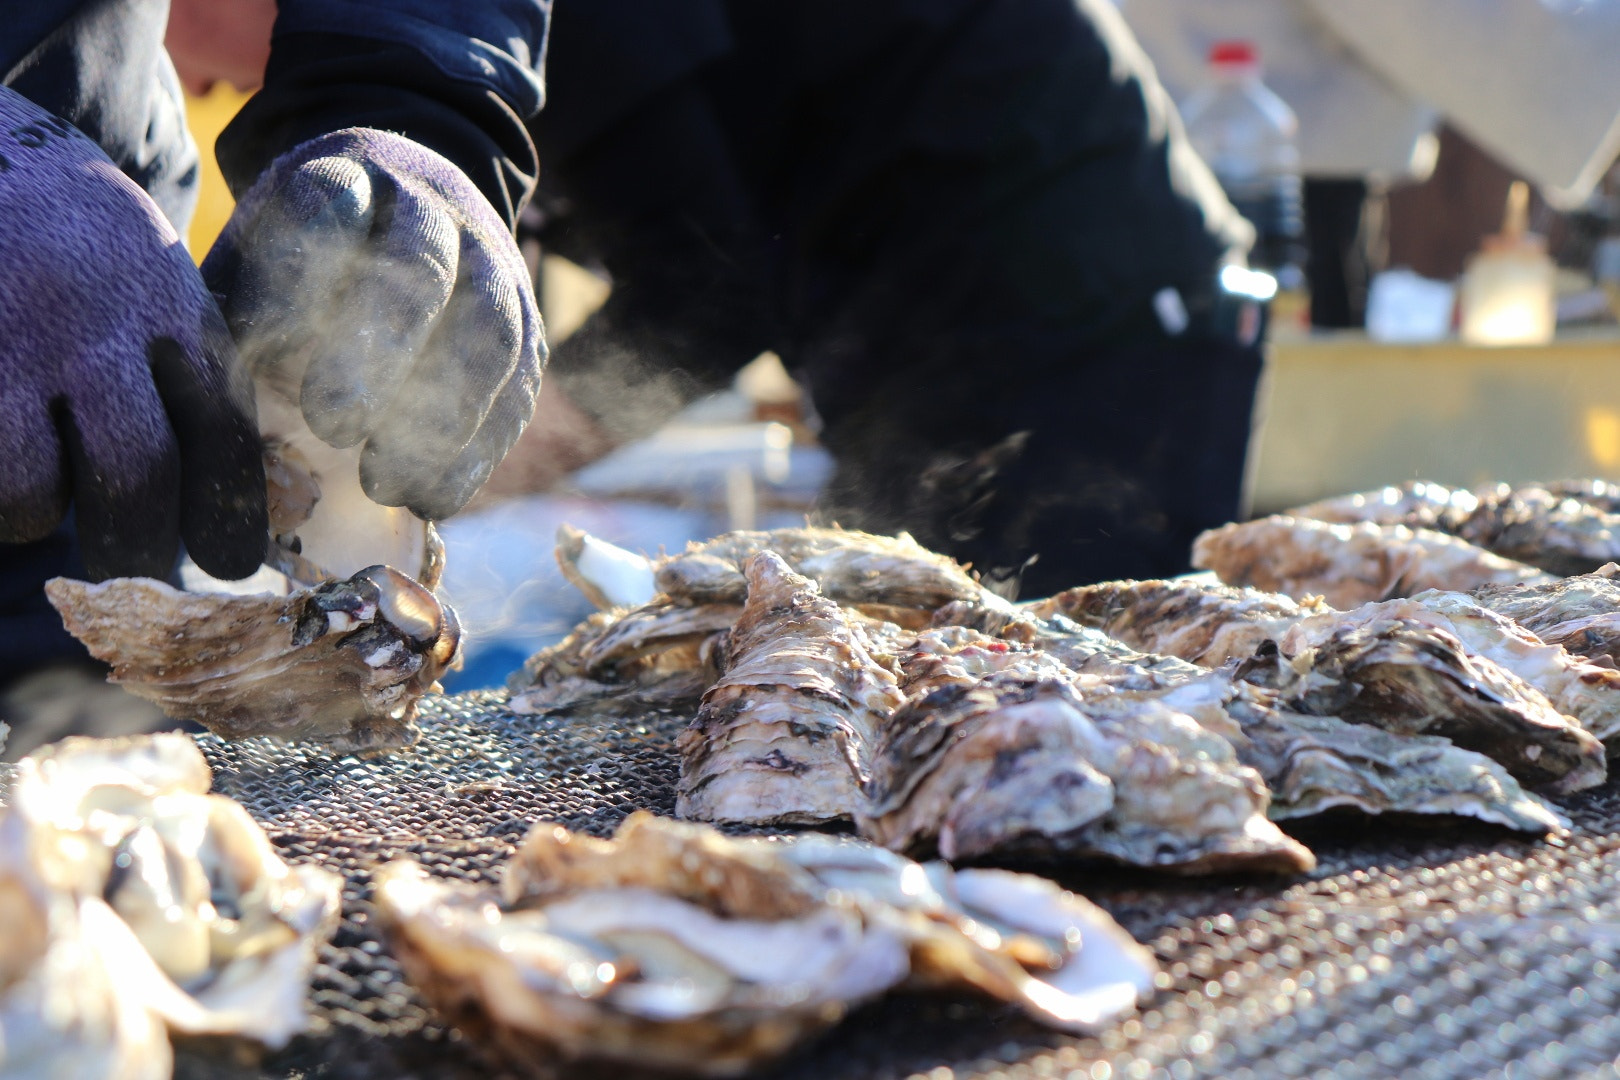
{"x": 1245, "y": 134}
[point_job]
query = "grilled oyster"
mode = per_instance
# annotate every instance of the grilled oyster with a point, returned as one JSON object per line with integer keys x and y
{"x": 1410, "y": 676}
{"x": 1557, "y": 532}
{"x": 1204, "y": 624}
{"x": 1417, "y": 504}
{"x": 1317, "y": 763}
{"x": 781, "y": 736}
{"x": 199, "y": 920}
{"x": 892, "y": 573}
{"x": 68, "y": 1008}
{"x": 1580, "y": 613}
{"x": 675, "y": 948}
{"x": 1576, "y": 687}
{"x": 1349, "y": 565}
{"x": 961, "y": 656}
{"x": 1018, "y": 766}
{"x": 342, "y": 663}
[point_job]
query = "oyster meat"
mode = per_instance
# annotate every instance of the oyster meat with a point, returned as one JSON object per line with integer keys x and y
{"x": 1411, "y": 676}
{"x": 342, "y": 663}
{"x": 323, "y": 526}
{"x": 178, "y": 893}
{"x": 1350, "y": 565}
{"x": 1018, "y": 766}
{"x": 674, "y": 948}
{"x": 1580, "y": 613}
{"x": 781, "y": 737}
{"x": 1204, "y": 624}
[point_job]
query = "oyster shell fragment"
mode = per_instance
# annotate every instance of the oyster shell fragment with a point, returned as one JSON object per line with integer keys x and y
{"x": 714, "y": 955}
{"x": 342, "y": 663}
{"x": 781, "y": 736}
{"x": 1350, "y": 565}
{"x": 171, "y": 897}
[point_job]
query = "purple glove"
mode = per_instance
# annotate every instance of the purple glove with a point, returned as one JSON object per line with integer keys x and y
{"x": 119, "y": 387}
{"x": 371, "y": 280}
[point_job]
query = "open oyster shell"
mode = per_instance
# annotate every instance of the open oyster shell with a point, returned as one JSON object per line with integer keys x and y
{"x": 342, "y": 663}
{"x": 675, "y": 948}
{"x": 177, "y": 892}
{"x": 323, "y": 526}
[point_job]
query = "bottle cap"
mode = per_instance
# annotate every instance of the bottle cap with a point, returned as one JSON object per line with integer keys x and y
{"x": 1233, "y": 55}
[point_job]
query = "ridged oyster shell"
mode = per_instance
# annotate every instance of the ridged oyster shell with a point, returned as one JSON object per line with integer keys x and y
{"x": 781, "y": 737}
{"x": 342, "y": 663}
{"x": 674, "y": 948}
{"x": 1349, "y": 565}
{"x": 162, "y": 899}
{"x": 1019, "y": 766}
{"x": 1580, "y": 613}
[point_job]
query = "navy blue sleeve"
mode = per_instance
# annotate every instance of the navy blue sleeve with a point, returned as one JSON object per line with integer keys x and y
{"x": 100, "y": 65}
{"x": 459, "y": 78}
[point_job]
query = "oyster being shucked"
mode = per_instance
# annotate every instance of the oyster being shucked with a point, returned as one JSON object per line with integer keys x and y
{"x": 179, "y": 892}
{"x": 674, "y": 948}
{"x": 1411, "y": 676}
{"x": 781, "y": 737}
{"x": 1205, "y": 624}
{"x": 323, "y": 526}
{"x": 1580, "y": 613}
{"x": 342, "y": 663}
{"x": 1349, "y": 565}
{"x": 1015, "y": 766}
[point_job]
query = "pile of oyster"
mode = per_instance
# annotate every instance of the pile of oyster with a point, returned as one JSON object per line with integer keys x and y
{"x": 673, "y": 947}
{"x": 136, "y": 907}
{"x": 838, "y": 678}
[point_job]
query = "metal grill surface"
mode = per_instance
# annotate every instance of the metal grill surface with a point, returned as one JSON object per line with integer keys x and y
{"x": 1415, "y": 950}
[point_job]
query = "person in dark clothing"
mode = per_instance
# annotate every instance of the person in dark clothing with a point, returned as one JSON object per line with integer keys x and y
{"x": 370, "y": 265}
{"x": 973, "y": 230}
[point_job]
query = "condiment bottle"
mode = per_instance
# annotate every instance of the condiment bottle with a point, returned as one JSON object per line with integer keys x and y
{"x": 1508, "y": 294}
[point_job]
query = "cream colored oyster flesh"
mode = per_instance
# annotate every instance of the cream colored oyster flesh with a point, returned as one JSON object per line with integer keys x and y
{"x": 167, "y": 901}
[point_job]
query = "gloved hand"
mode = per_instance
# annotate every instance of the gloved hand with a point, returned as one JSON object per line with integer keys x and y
{"x": 119, "y": 387}
{"x": 369, "y": 278}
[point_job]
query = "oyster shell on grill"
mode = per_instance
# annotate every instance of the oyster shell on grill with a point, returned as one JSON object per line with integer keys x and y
{"x": 1317, "y": 763}
{"x": 198, "y": 919}
{"x": 780, "y": 738}
{"x": 672, "y": 947}
{"x": 1350, "y": 565}
{"x": 961, "y": 656}
{"x": 1576, "y": 687}
{"x": 1417, "y": 504}
{"x": 660, "y": 655}
{"x": 1580, "y": 613}
{"x": 1204, "y": 624}
{"x": 342, "y": 663}
{"x": 1411, "y": 676}
{"x": 1016, "y": 766}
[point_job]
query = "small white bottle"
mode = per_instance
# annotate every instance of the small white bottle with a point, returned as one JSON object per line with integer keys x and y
{"x": 1509, "y": 291}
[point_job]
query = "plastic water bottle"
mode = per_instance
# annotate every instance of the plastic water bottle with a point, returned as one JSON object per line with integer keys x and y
{"x": 1245, "y": 134}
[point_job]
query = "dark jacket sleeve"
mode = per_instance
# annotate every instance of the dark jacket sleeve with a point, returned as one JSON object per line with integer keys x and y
{"x": 100, "y": 65}
{"x": 460, "y": 78}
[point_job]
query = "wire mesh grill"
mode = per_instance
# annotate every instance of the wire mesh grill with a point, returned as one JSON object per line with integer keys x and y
{"x": 1415, "y": 950}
